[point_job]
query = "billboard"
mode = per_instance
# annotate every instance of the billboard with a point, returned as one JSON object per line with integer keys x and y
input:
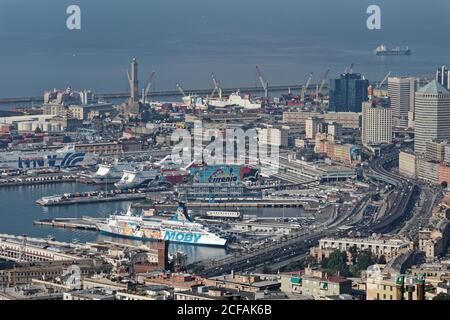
{"x": 223, "y": 174}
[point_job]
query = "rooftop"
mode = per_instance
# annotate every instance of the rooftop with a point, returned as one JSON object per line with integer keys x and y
{"x": 434, "y": 87}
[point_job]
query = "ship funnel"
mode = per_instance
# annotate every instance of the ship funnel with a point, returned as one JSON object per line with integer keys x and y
{"x": 181, "y": 214}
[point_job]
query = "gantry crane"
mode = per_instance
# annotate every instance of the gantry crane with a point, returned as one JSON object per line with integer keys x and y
{"x": 217, "y": 87}
{"x": 322, "y": 83}
{"x": 306, "y": 86}
{"x": 264, "y": 83}
{"x": 149, "y": 85}
{"x": 384, "y": 80}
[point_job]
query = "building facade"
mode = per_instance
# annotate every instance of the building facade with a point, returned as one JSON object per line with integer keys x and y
{"x": 376, "y": 124}
{"x": 348, "y": 92}
{"x": 401, "y": 92}
{"x": 432, "y": 114}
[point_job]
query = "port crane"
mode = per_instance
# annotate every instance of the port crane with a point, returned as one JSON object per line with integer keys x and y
{"x": 384, "y": 80}
{"x": 264, "y": 83}
{"x": 149, "y": 85}
{"x": 319, "y": 88}
{"x": 305, "y": 87}
{"x": 181, "y": 90}
{"x": 217, "y": 87}
{"x": 349, "y": 69}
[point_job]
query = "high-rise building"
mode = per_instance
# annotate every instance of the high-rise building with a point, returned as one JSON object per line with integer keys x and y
{"x": 348, "y": 92}
{"x": 432, "y": 110}
{"x": 376, "y": 123}
{"x": 443, "y": 76}
{"x": 312, "y": 127}
{"x": 401, "y": 92}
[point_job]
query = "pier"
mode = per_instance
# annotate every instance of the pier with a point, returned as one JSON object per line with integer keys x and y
{"x": 37, "y": 180}
{"x": 231, "y": 204}
{"x": 98, "y": 197}
{"x": 172, "y": 93}
{"x": 70, "y": 223}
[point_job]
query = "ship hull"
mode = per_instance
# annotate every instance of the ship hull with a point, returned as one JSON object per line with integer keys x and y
{"x": 171, "y": 236}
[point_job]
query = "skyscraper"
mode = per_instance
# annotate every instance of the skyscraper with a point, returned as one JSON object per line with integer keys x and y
{"x": 443, "y": 76}
{"x": 376, "y": 123}
{"x": 401, "y": 92}
{"x": 432, "y": 113}
{"x": 348, "y": 92}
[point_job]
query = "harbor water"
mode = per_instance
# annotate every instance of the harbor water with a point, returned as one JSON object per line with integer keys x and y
{"x": 18, "y": 211}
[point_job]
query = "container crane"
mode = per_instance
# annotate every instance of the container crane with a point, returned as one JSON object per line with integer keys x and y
{"x": 322, "y": 83}
{"x": 379, "y": 85}
{"x": 181, "y": 90}
{"x": 306, "y": 86}
{"x": 264, "y": 83}
{"x": 217, "y": 87}
{"x": 349, "y": 69}
{"x": 149, "y": 85}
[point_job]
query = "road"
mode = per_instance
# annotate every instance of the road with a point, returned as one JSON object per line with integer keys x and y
{"x": 406, "y": 193}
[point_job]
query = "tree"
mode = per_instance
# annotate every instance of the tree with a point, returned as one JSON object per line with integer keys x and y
{"x": 298, "y": 265}
{"x": 442, "y": 296}
{"x": 354, "y": 253}
{"x": 337, "y": 262}
{"x": 365, "y": 260}
{"x": 444, "y": 184}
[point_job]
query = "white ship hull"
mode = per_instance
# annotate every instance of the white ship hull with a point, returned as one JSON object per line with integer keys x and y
{"x": 169, "y": 235}
{"x": 61, "y": 158}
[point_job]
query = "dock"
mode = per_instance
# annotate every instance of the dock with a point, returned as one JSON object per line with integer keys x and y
{"x": 35, "y": 180}
{"x": 70, "y": 223}
{"x": 243, "y": 204}
{"x": 98, "y": 197}
{"x": 170, "y": 93}
{"x": 94, "y": 199}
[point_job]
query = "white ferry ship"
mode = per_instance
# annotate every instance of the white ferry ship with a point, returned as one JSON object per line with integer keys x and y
{"x": 134, "y": 178}
{"x": 66, "y": 157}
{"x": 180, "y": 228}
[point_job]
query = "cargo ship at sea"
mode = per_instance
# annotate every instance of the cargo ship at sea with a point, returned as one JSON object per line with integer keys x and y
{"x": 180, "y": 228}
{"x": 383, "y": 50}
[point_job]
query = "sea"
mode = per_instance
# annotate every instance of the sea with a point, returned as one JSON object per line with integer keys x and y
{"x": 184, "y": 42}
{"x": 18, "y": 211}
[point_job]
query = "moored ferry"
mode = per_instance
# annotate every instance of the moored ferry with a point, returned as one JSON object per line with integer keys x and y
{"x": 180, "y": 228}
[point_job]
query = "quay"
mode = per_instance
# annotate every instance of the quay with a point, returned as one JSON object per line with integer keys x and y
{"x": 70, "y": 223}
{"x": 37, "y": 180}
{"x": 243, "y": 204}
{"x": 97, "y": 197}
{"x": 171, "y": 93}
{"x": 65, "y": 201}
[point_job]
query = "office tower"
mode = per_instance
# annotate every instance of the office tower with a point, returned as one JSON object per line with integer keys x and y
{"x": 443, "y": 76}
{"x": 401, "y": 92}
{"x": 348, "y": 92}
{"x": 334, "y": 131}
{"x": 376, "y": 123}
{"x": 312, "y": 127}
{"x": 133, "y": 81}
{"x": 432, "y": 110}
{"x": 435, "y": 150}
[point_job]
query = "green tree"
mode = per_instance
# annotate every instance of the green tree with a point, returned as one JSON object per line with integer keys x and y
{"x": 337, "y": 262}
{"x": 442, "y": 296}
{"x": 354, "y": 253}
{"x": 365, "y": 259}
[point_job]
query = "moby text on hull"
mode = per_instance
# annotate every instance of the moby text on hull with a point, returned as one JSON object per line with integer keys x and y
{"x": 179, "y": 229}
